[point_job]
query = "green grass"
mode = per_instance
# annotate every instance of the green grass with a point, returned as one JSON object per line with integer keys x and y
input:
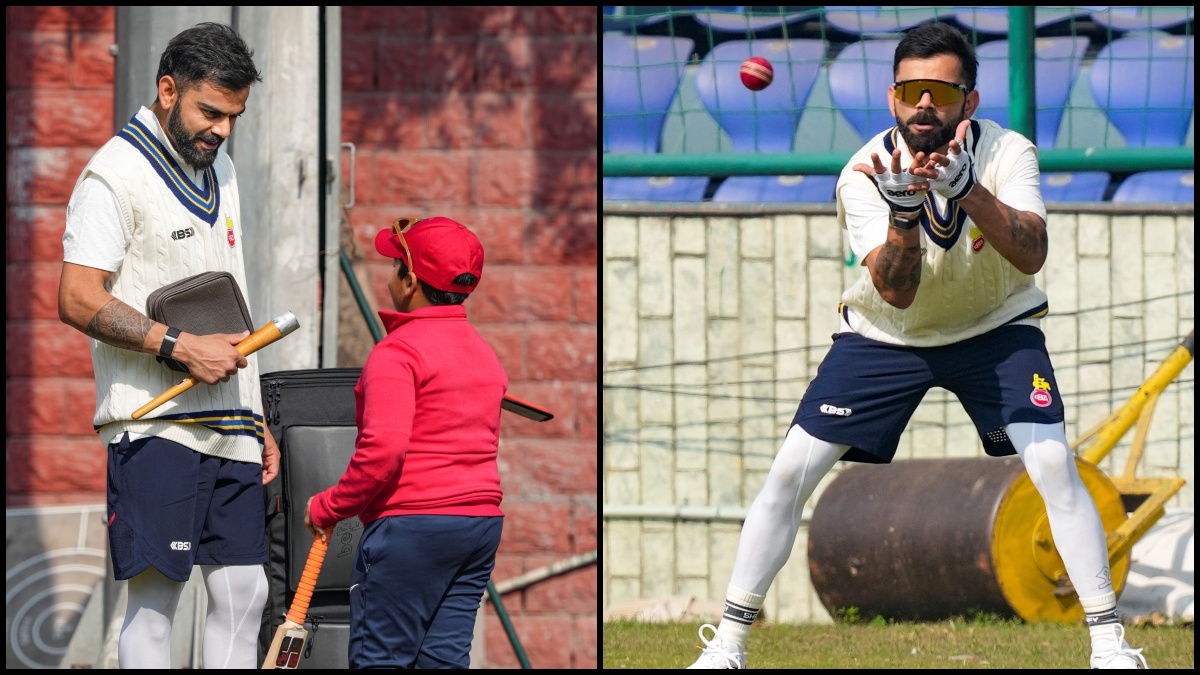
{"x": 983, "y": 642}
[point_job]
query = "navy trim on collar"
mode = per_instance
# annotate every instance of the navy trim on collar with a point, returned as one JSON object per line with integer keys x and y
{"x": 942, "y": 229}
{"x": 204, "y": 203}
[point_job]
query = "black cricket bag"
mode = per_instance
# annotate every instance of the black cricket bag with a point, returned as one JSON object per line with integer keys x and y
{"x": 311, "y": 415}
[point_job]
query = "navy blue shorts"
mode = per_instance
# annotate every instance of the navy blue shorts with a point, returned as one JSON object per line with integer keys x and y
{"x": 866, "y": 391}
{"x": 416, "y": 587}
{"x": 171, "y": 507}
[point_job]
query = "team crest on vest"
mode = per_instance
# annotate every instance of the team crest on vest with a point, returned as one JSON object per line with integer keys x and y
{"x": 229, "y": 230}
{"x": 976, "y": 239}
{"x": 1041, "y": 392}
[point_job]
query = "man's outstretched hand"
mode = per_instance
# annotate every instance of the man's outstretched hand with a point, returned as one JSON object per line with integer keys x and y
{"x": 903, "y": 190}
{"x": 952, "y": 175}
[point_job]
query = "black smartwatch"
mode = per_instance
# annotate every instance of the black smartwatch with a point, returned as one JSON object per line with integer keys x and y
{"x": 168, "y": 343}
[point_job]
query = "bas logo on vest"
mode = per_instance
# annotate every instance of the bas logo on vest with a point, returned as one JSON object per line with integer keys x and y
{"x": 183, "y": 234}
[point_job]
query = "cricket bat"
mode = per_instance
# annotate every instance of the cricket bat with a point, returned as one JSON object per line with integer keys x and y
{"x": 291, "y": 636}
{"x": 525, "y": 409}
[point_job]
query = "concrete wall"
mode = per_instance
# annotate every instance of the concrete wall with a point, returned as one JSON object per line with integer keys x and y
{"x": 714, "y": 323}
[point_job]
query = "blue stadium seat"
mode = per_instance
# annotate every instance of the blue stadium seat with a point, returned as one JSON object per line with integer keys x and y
{"x": 1158, "y": 186}
{"x": 866, "y": 21}
{"x": 1081, "y": 186}
{"x": 760, "y": 189}
{"x": 762, "y": 121}
{"x": 641, "y": 76}
{"x": 1143, "y": 18}
{"x": 1146, "y": 86}
{"x": 1056, "y": 65}
{"x": 740, "y": 22}
{"x": 994, "y": 20}
{"x": 859, "y": 78}
{"x": 657, "y": 189}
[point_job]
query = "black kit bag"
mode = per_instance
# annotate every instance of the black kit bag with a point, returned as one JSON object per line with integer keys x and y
{"x": 203, "y": 304}
{"x": 311, "y": 416}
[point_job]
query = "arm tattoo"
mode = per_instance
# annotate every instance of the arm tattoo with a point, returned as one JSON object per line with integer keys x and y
{"x": 1027, "y": 236}
{"x": 119, "y": 325}
{"x": 899, "y": 268}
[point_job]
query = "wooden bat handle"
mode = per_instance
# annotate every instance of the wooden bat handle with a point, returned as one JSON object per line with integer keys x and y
{"x": 308, "y": 581}
{"x": 255, "y": 341}
{"x": 167, "y": 395}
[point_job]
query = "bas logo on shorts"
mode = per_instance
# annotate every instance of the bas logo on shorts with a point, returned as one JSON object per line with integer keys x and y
{"x": 1041, "y": 392}
{"x": 181, "y": 546}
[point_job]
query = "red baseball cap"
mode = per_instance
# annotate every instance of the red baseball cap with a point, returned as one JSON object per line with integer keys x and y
{"x": 441, "y": 250}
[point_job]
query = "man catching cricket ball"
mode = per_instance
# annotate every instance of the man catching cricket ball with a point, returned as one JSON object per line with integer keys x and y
{"x": 945, "y": 212}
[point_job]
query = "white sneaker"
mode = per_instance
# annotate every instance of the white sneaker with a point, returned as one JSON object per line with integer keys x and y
{"x": 717, "y": 654}
{"x": 1116, "y": 653}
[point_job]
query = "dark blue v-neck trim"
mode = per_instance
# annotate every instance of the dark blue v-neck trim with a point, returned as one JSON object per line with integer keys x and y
{"x": 942, "y": 229}
{"x": 204, "y": 203}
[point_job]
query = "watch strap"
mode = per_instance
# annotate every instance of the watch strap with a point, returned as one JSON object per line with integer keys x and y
{"x": 168, "y": 343}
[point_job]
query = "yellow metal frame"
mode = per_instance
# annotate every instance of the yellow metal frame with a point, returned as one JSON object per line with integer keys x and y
{"x": 1094, "y": 445}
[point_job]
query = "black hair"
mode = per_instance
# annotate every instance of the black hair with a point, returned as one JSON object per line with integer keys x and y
{"x": 932, "y": 39}
{"x": 437, "y": 296}
{"x": 209, "y": 52}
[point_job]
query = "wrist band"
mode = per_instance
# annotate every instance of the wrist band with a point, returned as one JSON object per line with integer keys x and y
{"x": 168, "y": 343}
{"x": 905, "y": 225}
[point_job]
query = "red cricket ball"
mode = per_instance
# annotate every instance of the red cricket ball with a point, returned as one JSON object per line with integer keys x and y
{"x": 757, "y": 73}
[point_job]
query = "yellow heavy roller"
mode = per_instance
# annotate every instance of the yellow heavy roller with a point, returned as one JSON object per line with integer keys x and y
{"x": 931, "y": 539}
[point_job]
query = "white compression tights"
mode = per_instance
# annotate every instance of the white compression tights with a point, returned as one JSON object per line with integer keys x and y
{"x": 774, "y": 518}
{"x": 1074, "y": 521}
{"x": 236, "y": 595}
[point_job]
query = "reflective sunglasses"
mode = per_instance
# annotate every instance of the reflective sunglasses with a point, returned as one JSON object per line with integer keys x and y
{"x": 942, "y": 93}
{"x": 399, "y": 227}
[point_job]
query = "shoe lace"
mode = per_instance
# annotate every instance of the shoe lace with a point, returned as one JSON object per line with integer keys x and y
{"x": 713, "y": 648}
{"x": 1122, "y": 649}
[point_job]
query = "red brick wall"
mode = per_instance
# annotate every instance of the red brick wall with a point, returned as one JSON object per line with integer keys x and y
{"x": 60, "y": 111}
{"x": 484, "y": 115}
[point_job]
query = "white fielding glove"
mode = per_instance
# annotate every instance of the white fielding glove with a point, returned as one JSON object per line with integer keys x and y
{"x": 956, "y": 179}
{"x": 895, "y": 190}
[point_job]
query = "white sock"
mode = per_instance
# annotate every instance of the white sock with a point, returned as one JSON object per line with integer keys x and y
{"x": 741, "y": 609}
{"x": 236, "y": 596}
{"x": 145, "y": 640}
{"x": 1102, "y": 620}
{"x": 773, "y": 521}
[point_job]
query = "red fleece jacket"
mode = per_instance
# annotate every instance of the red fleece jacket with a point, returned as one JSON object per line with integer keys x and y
{"x": 428, "y": 414}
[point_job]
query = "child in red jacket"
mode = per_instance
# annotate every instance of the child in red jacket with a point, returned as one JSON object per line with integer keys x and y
{"x": 423, "y": 478}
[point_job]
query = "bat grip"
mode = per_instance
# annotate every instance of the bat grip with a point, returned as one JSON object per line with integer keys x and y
{"x": 308, "y": 582}
{"x": 253, "y": 342}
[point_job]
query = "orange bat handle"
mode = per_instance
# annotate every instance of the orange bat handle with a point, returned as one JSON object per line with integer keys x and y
{"x": 308, "y": 581}
{"x": 254, "y": 342}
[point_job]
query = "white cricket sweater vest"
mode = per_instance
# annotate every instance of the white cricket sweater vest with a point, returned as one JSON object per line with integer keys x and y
{"x": 966, "y": 289}
{"x": 178, "y": 229}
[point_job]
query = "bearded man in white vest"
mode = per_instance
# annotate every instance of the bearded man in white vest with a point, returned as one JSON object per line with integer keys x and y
{"x": 156, "y": 204}
{"x": 946, "y": 213}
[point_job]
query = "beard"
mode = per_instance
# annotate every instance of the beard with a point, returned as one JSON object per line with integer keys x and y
{"x": 185, "y": 142}
{"x": 930, "y": 141}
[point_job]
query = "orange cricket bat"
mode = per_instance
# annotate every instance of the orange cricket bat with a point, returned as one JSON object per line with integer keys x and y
{"x": 291, "y": 635}
{"x": 525, "y": 409}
